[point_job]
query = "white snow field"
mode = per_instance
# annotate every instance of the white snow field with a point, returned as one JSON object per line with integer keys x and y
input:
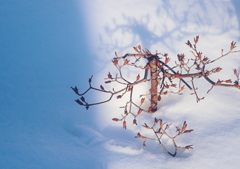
{"x": 47, "y": 46}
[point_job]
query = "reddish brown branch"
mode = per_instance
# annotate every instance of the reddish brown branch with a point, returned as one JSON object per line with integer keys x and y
{"x": 162, "y": 82}
{"x": 161, "y": 131}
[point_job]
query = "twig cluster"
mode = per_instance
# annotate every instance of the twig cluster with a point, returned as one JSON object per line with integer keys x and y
{"x": 162, "y": 81}
{"x": 160, "y": 129}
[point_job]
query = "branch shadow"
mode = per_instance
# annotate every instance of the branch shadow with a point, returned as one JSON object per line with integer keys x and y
{"x": 236, "y": 5}
{"x": 169, "y": 23}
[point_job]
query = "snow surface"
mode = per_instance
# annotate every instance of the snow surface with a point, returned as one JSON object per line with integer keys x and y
{"x": 46, "y": 47}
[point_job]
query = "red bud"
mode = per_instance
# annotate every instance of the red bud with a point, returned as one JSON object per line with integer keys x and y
{"x": 109, "y": 75}
{"x": 188, "y": 147}
{"x": 184, "y": 126}
{"x": 167, "y": 60}
{"x": 138, "y": 77}
{"x": 136, "y": 49}
{"x": 228, "y": 81}
{"x": 181, "y": 89}
{"x": 134, "y": 121}
{"x": 235, "y": 72}
{"x": 139, "y": 111}
{"x": 116, "y": 119}
{"x": 139, "y": 47}
{"x": 187, "y": 131}
{"x": 109, "y": 81}
{"x": 115, "y": 62}
{"x": 218, "y": 69}
{"x": 125, "y": 62}
{"x": 124, "y": 124}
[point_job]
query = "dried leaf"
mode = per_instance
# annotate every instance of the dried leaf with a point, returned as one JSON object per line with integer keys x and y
{"x": 159, "y": 97}
{"x": 119, "y": 96}
{"x": 142, "y": 100}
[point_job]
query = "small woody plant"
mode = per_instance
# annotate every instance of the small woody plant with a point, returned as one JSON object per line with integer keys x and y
{"x": 164, "y": 79}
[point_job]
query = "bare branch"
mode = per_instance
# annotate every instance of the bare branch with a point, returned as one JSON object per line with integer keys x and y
{"x": 164, "y": 80}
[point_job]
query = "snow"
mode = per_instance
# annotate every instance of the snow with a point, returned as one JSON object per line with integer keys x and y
{"x": 48, "y": 47}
